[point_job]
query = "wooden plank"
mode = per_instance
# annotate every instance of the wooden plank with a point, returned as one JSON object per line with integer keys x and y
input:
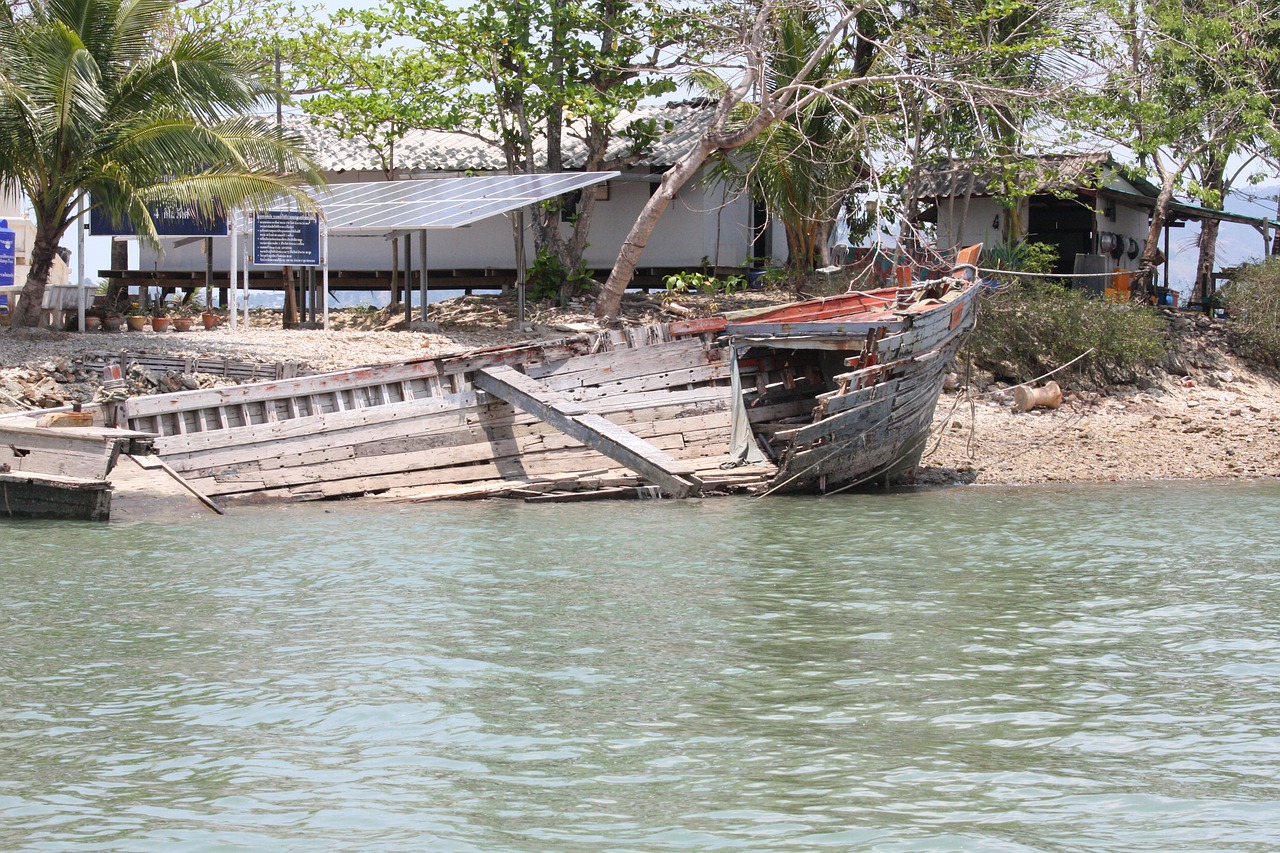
{"x": 32, "y": 495}
{"x": 85, "y": 452}
{"x": 592, "y": 430}
{"x": 319, "y": 383}
{"x": 151, "y": 463}
{"x": 618, "y": 364}
{"x": 610, "y": 494}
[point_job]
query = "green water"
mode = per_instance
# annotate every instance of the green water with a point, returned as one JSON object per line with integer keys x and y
{"x": 1085, "y": 669}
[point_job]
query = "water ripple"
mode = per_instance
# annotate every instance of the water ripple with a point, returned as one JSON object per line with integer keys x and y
{"x": 994, "y": 670}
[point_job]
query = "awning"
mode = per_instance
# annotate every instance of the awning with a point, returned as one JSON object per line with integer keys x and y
{"x": 382, "y": 206}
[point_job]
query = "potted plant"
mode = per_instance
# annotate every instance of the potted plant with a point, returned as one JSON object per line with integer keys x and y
{"x": 183, "y": 314}
{"x": 136, "y": 317}
{"x": 115, "y": 310}
{"x": 211, "y": 317}
{"x": 159, "y": 316}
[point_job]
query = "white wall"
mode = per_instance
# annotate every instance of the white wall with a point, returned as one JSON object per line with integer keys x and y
{"x": 1130, "y": 223}
{"x": 700, "y": 223}
{"x": 960, "y": 225}
{"x": 978, "y": 220}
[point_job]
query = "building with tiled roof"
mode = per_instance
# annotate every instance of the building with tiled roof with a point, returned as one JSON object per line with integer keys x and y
{"x": 707, "y": 224}
{"x": 1083, "y": 204}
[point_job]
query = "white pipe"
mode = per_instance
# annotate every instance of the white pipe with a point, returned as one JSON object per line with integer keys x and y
{"x": 324, "y": 260}
{"x": 80, "y": 224}
{"x": 232, "y": 273}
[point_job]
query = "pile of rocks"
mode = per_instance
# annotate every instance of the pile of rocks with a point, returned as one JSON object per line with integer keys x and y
{"x": 62, "y": 382}
{"x": 47, "y": 385}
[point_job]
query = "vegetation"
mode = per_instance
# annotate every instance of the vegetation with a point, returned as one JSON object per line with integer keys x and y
{"x": 95, "y": 103}
{"x": 704, "y": 283}
{"x": 549, "y": 279}
{"x": 1190, "y": 84}
{"x": 1026, "y": 330}
{"x": 1252, "y": 299}
{"x": 1022, "y": 256}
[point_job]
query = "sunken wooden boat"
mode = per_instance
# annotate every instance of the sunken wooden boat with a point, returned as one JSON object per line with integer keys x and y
{"x": 816, "y": 396}
{"x": 57, "y": 466}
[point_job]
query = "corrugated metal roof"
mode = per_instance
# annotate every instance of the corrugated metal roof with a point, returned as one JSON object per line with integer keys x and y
{"x": 1049, "y": 173}
{"x": 380, "y": 206}
{"x": 679, "y": 126}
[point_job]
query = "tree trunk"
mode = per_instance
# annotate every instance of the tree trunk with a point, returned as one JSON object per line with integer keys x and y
{"x": 1214, "y": 180}
{"x": 42, "y": 252}
{"x": 1151, "y": 254}
{"x": 638, "y": 237}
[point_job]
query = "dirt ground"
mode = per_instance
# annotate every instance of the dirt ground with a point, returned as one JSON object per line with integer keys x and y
{"x": 1206, "y": 414}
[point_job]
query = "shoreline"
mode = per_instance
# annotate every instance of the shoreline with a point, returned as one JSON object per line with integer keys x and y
{"x": 1165, "y": 433}
{"x": 1219, "y": 421}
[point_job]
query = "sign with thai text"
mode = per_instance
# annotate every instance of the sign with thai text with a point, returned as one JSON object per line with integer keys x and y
{"x": 286, "y": 238}
{"x": 170, "y": 221}
{"x": 8, "y": 253}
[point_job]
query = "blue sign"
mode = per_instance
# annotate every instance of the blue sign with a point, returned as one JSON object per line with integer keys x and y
{"x": 286, "y": 238}
{"x": 170, "y": 221}
{"x": 8, "y": 253}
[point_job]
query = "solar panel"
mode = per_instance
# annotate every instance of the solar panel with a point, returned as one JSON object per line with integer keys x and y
{"x": 441, "y": 203}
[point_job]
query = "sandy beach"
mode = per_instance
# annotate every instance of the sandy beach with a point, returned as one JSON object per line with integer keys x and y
{"x": 1214, "y": 417}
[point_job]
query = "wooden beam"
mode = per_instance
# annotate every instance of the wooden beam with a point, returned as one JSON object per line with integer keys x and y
{"x": 673, "y": 477}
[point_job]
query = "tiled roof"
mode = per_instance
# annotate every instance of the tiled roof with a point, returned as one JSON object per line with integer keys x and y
{"x": 1049, "y": 173}
{"x": 679, "y": 125}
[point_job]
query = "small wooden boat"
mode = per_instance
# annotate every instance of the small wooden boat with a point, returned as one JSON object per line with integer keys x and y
{"x": 815, "y": 396}
{"x": 60, "y": 471}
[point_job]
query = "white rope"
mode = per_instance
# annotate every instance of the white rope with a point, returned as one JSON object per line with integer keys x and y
{"x": 1051, "y": 274}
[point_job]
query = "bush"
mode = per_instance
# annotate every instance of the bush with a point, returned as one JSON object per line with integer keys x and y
{"x": 1022, "y": 256}
{"x": 1026, "y": 330}
{"x": 705, "y": 283}
{"x": 1252, "y": 298}
{"x": 549, "y": 278}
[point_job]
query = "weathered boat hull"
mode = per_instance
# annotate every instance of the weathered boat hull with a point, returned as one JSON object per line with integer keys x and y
{"x": 816, "y": 396}
{"x": 26, "y": 495}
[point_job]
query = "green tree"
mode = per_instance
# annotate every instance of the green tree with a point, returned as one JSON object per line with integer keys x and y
{"x": 803, "y": 167}
{"x": 742, "y": 49}
{"x": 1192, "y": 82}
{"x": 96, "y": 100}
{"x": 1024, "y": 44}
{"x": 541, "y": 81}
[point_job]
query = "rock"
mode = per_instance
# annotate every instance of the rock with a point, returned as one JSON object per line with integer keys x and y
{"x": 189, "y": 381}
{"x": 1174, "y": 365}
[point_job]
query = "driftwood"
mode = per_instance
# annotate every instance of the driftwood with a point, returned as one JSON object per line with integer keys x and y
{"x": 1025, "y": 399}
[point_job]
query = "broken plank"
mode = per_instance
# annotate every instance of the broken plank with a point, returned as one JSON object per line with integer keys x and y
{"x": 596, "y": 432}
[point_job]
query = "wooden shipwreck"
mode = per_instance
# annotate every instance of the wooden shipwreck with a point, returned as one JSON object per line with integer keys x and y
{"x": 815, "y": 396}
{"x": 58, "y": 466}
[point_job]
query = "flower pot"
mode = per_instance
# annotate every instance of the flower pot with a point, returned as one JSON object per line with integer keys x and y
{"x": 92, "y": 323}
{"x": 182, "y": 324}
{"x": 210, "y": 320}
{"x": 159, "y": 324}
{"x": 112, "y": 323}
{"x": 136, "y": 322}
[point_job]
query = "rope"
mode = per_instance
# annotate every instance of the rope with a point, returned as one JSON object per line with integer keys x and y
{"x": 1030, "y": 382}
{"x": 1135, "y": 273}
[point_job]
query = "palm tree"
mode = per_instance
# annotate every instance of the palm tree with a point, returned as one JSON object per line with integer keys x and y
{"x": 96, "y": 101}
{"x": 803, "y": 167}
